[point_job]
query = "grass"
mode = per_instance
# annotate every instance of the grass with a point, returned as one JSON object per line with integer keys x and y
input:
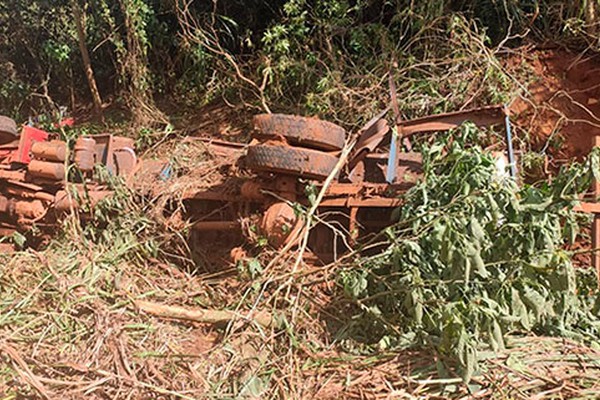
{"x": 69, "y": 330}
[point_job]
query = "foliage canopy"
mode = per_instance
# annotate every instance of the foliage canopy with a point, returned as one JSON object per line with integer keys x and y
{"x": 325, "y": 57}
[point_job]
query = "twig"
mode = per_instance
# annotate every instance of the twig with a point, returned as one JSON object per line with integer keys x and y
{"x": 262, "y": 318}
{"x": 24, "y": 371}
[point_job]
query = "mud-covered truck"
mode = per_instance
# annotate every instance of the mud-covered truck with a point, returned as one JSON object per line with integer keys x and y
{"x": 360, "y": 177}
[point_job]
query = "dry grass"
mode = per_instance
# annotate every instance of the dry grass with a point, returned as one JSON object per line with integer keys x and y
{"x": 69, "y": 330}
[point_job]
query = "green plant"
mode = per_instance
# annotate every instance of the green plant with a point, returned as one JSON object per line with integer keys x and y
{"x": 473, "y": 257}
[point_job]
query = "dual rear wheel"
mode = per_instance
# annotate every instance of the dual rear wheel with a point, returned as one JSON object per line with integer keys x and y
{"x": 308, "y": 150}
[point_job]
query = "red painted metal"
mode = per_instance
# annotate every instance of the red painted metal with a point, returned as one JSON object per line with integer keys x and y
{"x": 29, "y": 136}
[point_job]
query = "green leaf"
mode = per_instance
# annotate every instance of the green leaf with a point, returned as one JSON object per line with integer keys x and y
{"x": 535, "y": 301}
{"x": 476, "y": 230}
{"x": 519, "y": 310}
{"x": 474, "y": 256}
{"x": 418, "y": 308}
{"x": 497, "y": 335}
{"x": 470, "y": 364}
{"x": 514, "y": 362}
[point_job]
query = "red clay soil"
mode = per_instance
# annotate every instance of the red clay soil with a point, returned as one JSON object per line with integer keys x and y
{"x": 563, "y": 109}
{"x": 218, "y": 120}
{"x": 563, "y": 104}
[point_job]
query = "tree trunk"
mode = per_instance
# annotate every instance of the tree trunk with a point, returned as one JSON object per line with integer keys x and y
{"x": 591, "y": 17}
{"x": 85, "y": 56}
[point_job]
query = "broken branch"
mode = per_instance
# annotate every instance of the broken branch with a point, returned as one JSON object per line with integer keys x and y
{"x": 262, "y": 318}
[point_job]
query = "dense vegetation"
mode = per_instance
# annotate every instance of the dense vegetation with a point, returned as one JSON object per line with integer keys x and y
{"x": 474, "y": 257}
{"x": 322, "y": 57}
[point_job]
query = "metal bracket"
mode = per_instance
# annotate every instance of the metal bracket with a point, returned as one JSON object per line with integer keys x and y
{"x": 509, "y": 146}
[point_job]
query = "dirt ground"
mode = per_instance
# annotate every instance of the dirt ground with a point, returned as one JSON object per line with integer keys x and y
{"x": 561, "y": 113}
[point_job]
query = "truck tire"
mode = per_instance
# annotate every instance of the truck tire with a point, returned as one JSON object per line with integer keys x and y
{"x": 8, "y": 130}
{"x": 302, "y": 131}
{"x": 305, "y": 163}
{"x": 8, "y": 125}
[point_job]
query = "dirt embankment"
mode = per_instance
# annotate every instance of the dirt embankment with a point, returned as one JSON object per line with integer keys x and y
{"x": 560, "y": 114}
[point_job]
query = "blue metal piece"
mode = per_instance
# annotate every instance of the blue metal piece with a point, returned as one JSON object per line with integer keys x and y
{"x": 165, "y": 173}
{"x": 511, "y": 153}
{"x": 392, "y": 165}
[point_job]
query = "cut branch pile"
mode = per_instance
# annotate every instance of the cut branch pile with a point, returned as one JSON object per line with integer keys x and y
{"x": 473, "y": 257}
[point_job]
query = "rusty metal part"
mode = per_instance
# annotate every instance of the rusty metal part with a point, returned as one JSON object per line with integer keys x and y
{"x": 382, "y": 202}
{"x": 408, "y": 169}
{"x": 116, "y": 153}
{"x": 216, "y": 226}
{"x": 211, "y": 196}
{"x": 125, "y": 161}
{"x": 375, "y": 131}
{"x": 47, "y": 170}
{"x": 22, "y": 210}
{"x": 28, "y": 209}
{"x": 252, "y": 190}
{"x": 84, "y": 153}
{"x": 3, "y": 204}
{"x": 278, "y": 223}
{"x": 26, "y": 190}
{"x": 372, "y": 167}
{"x": 290, "y": 160}
{"x": 286, "y": 187}
{"x": 44, "y": 196}
{"x": 7, "y": 150}
{"x": 587, "y": 207}
{"x": 55, "y": 150}
{"x": 484, "y": 116}
{"x": 370, "y": 136}
{"x": 12, "y": 175}
{"x": 66, "y": 201}
{"x": 363, "y": 195}
{"x": 301, "y": 131}
{"x": 220, "y": 148}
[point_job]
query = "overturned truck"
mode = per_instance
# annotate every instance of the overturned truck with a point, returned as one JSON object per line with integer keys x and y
{"x": 290, "y": 160}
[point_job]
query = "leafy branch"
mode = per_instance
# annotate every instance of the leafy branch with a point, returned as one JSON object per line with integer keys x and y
{"x": 474, "y": 257}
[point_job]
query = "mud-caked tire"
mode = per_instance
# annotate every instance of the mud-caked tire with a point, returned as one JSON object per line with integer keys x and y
{"x": 302, "y": 131}
{"x": 306, "y": 163}
{"x": 8, "y": 129}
